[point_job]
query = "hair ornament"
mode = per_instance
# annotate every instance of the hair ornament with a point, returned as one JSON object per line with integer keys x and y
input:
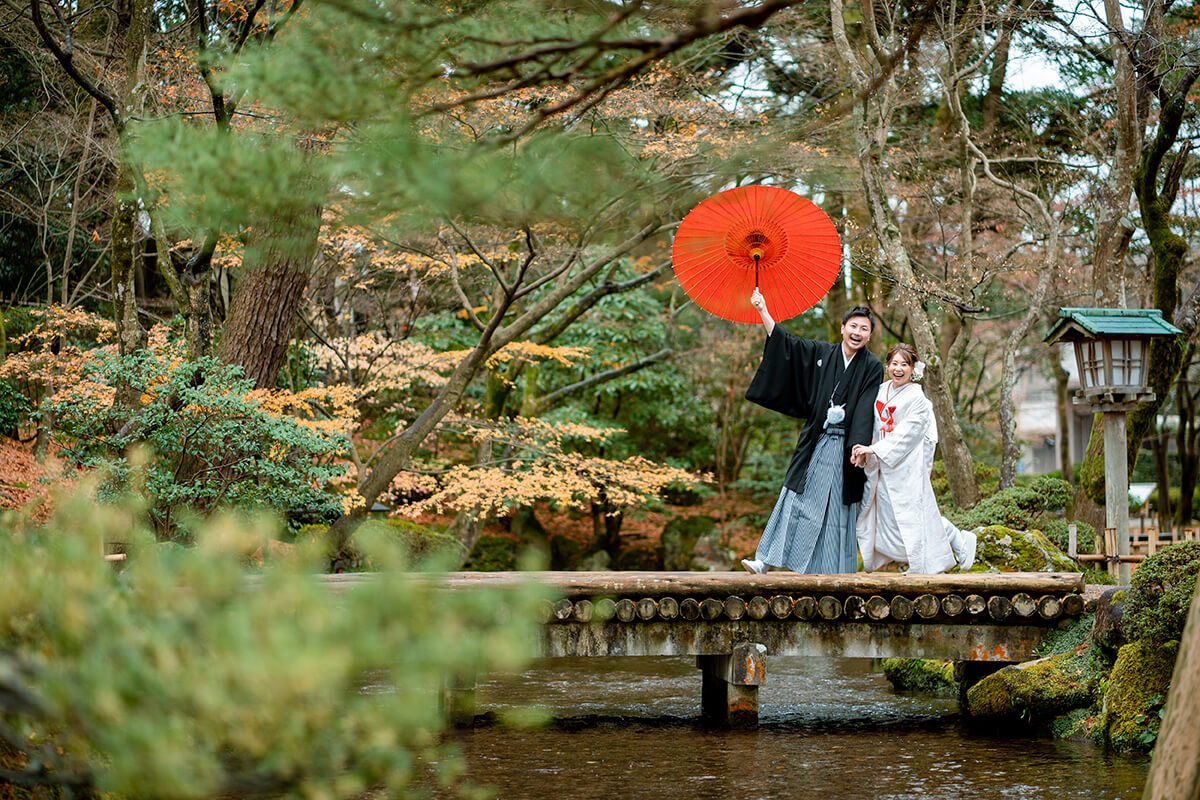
{"x": 918, "y": 370}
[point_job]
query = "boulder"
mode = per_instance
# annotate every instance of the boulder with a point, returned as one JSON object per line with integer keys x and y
{"x": 679, "y": 539}
{"x": 1004, "y": 549}
{"x": 1036, "y": 691}
{"x": 926, "y": 675}
{"x": 1107, "y": 632}
{"x": 1137, "y": 691}
{"x": 711, "y": 555}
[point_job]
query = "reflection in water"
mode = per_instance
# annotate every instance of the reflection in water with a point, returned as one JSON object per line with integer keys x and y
{"x": 628, "y": 728}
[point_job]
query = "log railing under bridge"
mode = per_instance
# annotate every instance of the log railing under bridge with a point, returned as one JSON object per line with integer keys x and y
{"x": 730, "y": 621}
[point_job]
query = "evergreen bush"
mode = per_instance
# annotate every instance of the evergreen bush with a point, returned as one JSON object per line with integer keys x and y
{"x": 182, "y": 672}
{"x": 1161, "y": 593}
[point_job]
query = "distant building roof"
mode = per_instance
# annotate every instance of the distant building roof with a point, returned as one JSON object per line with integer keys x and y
{"x": 1078, "y": 323}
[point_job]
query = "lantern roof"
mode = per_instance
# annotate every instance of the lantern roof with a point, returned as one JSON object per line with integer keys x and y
{"x": 1095, "y": 323}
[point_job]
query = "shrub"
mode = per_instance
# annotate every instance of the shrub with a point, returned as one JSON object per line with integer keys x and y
{"x": 1020, "y": 507}
{"x": 1056, "y": 530}
{"x": 207, "y": 440}
{"x": 177, "y": 674}
{"x": 1161, "y": 593}
{"x": 14, "y": 408}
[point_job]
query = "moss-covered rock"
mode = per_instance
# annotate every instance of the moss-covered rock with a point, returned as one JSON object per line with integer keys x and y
{"x": 1036, "y": 692}
{"x": 1136, "y": 688}
{"x": 1107, "y": 631}
{"x": 921, "y": 675}
{"x": 494, "y": 554}
{"x": 1002, "y": 549}
{"x": 679, "y": 540}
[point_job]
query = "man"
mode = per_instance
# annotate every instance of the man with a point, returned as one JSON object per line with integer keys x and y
{"x": 832, "y": 387}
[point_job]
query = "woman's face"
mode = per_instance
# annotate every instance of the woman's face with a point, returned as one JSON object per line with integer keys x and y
{"x": 899, "y": 369}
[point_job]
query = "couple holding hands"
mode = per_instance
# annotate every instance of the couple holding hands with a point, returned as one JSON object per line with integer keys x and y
{"x": 859, "y": 476}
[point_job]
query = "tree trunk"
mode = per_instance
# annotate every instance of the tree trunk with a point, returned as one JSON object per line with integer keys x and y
{"x": 996, "y": 75}
{"x": 1158, "y": 446}
{"x": 1186, "y": 440}
{"x": 1063, "y": 408}
{"x": 267, "y": 297}
{"x": 1113, "y": 228}
{"x": 872, "y": 121}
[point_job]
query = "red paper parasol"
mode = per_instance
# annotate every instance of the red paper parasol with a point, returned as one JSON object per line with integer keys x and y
{"x": 756, "y": 236}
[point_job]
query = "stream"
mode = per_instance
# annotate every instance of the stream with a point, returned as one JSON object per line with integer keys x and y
{"x": 830, "y": 728}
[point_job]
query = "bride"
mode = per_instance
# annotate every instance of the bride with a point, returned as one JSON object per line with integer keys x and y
{"x": 899, "y": 519}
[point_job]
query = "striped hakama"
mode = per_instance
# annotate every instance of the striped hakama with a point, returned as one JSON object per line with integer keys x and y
{"x": 813, "y": 532}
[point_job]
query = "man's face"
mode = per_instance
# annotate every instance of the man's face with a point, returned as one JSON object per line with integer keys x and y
{"x": 856, "y": 332}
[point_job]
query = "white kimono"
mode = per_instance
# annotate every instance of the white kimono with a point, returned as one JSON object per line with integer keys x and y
{"x": 898, "y": 519}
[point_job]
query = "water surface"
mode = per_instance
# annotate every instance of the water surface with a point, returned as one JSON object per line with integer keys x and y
{"x": 831, "y": 728}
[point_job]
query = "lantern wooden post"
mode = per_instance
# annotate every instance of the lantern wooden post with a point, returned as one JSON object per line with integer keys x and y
{"x": 1116, "y": 488}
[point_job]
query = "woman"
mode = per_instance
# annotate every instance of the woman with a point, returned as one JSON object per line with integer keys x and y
{"x": 899, "y": 519}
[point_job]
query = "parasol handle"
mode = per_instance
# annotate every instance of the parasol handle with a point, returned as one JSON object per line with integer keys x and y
{"x": 757, "y": 255}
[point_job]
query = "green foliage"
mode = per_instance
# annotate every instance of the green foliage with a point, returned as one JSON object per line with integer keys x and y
{"x": 421, "y": 546}
{"x": 208, "y": 443}
{"x": 180, "y": 675}
{"x": 986, "y": 477}
{"x": 1174, "y": 496}
{"x": 494, "y": 554}
{"x": 1067, "y": 638}
{"x": 1162, "y": 588}
{"x": 1019, "y": 506}
{"x": 14, "y": 408}
{"x": 1056, "y": 530}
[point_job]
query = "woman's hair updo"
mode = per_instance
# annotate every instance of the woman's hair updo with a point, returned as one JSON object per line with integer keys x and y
{"x": 907, "y": 350}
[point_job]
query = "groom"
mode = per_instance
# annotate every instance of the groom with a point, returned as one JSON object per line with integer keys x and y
{"x": 831, "y": 386}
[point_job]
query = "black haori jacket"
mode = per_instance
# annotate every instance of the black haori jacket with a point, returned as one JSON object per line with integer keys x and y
{"x": 797, "y": 377}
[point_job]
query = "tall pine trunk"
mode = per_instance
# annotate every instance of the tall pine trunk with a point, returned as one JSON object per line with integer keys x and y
{"x": 267, "y": 297}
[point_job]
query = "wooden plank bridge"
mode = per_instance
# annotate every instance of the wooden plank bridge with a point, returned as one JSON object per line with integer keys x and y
{"x": 731, "y": 621}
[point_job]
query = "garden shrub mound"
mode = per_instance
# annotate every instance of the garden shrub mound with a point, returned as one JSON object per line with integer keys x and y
{"x": 1161, "y": 593}
{"x": 1037, "y": 505}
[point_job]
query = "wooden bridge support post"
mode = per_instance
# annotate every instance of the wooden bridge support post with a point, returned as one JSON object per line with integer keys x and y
{"x": 729, "y": 694}
{"x": 458, "y": 701}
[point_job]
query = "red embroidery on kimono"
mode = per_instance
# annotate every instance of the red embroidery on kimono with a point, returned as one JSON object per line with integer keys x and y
{"x": 887, "y": 416}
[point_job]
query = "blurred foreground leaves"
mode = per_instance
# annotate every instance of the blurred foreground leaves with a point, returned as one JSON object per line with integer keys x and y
{"x": 185, "y": 673}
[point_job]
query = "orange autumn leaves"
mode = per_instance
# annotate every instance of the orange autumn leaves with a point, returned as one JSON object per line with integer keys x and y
{"x": 365, "y": 377}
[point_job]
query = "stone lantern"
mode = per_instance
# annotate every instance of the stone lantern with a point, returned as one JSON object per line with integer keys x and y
{"x": 1112, "y": 349}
